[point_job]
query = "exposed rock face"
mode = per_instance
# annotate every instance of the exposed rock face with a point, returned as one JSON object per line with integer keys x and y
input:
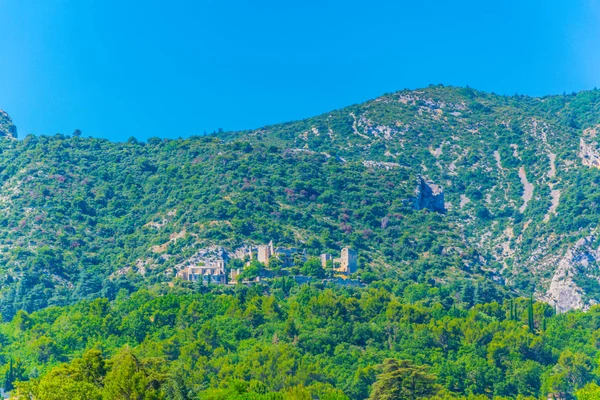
{"x": 429, "y": 196}
{"x": 588, "y": 151}
{"x": 385, "y": 165}
{"x": 207, "y": 255}
{"x": 7, "y": 128}
{"x": 564, "y": 293}
{"x": 527, "y": 189}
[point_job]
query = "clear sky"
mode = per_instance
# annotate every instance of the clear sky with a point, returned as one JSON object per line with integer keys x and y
{"x": 174, "y": 68}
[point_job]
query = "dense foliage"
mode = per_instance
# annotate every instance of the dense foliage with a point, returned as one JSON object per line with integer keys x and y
{"x": 86, "y": 223}
{"x": 309, "y": 340}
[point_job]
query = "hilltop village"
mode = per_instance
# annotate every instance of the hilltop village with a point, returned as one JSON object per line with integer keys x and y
{"x": 251, "y": 264}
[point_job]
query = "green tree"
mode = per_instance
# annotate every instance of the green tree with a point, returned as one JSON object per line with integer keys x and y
{"x": 572, "y": 371}
{"x": 9, "y": 377}
{"x": 250, "y": 271}
{"x": 130, "y": 379}
{"x": 401, "y": 379}
{"x": 63, "y": 382}
{"x": 275, "y": 264}
{"x": 530, "y": 320}
{"x": 591, "y": 391}
{"x": 313, "y": 267}
{"x": 92, "y": 367}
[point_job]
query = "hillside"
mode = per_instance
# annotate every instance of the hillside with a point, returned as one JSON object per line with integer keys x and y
{"x": 84, "y": 217}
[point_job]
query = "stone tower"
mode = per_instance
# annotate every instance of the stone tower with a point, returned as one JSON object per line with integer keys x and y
{"x": 348, "y": 261}
{"x": 264, "y": 253}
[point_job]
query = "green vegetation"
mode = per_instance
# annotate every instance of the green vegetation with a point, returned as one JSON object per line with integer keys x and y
{"x": 92, "y": 232}
{"x": 85, "y": 218}
{"x": 76, "y": 211}
{"x": 392, "y": 340}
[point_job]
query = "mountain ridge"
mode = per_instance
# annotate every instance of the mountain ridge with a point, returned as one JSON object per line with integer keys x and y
{"x": 518, "y": 174}
{"x": 575, "y": 115}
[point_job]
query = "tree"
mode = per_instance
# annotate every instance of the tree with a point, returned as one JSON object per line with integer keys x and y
{"x": 313, "y": 267}
{"x": 530, "y": 315}
{"x": 14, "y": 373}
{"x": 22, "y": 320}
{"x": 63, "y": 382}
{"x": 251, "y": 271}
{"x": 290, "y": 329}
{"x": 91, "y": 366}
{"x": 401, "y": 379}
{"x": 9, "y": 377}
{"x": 129, "y": 379}
{"x": 572, "y": 372}
{"x": 298, "y": 393}
{"x": 176, "y": 387}
{"x": 275, "y": 264}
{"x": 591, "y": 391}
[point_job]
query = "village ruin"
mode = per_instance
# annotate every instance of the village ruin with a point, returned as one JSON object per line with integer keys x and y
{"x": 210, "y": 265}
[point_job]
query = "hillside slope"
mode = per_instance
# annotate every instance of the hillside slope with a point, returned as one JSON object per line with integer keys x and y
{"x": 83, "y": 217}
{"x": 519, "y": 174}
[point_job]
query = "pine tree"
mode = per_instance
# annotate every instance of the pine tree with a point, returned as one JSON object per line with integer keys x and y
{"x": 9, "y": 378}
{"x": 530, "y": 314}
{"x": 402, "y": 380}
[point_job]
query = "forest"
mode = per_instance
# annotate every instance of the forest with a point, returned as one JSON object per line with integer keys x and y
{"x": 392, "y": 340}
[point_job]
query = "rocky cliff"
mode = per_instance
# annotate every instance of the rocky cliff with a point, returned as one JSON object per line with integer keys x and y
{"x": 581, "y": 260}
{"x": 7, "y": 128}
{"x": 429, "y": 196}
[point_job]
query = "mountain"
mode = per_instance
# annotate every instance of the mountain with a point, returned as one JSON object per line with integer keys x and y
{"x": 442, "y": 185}
{"x": 7, "y": 128}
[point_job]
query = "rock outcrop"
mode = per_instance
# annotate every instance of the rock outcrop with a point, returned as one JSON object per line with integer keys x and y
{"x": 429, "y": 196}
{"x": 208, "y": 255}
{"x": 588, "y": 150}
{"x": 7, "y": 128}
{"x": 563, "y": 292}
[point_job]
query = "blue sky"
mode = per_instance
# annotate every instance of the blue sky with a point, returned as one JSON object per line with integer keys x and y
{"x": 117, "y": 69}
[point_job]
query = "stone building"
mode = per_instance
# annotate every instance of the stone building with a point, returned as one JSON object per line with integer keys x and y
{"x": 233, "y": 275}
{"x": 212, "y": 272}
{"x": 289, "y": 256}
{"x": 264, "y": 253}
{"x": 347, "y": 263}
{"x": 324, "y": 259}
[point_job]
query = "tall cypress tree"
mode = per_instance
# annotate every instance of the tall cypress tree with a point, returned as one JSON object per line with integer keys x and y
{"x": 544, "y": 324}
{"x": 9, "y": 377}
{"x": 530, "y": 314}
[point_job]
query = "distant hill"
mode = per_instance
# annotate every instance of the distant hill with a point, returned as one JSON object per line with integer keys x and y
{"x": 441, "y": 184}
